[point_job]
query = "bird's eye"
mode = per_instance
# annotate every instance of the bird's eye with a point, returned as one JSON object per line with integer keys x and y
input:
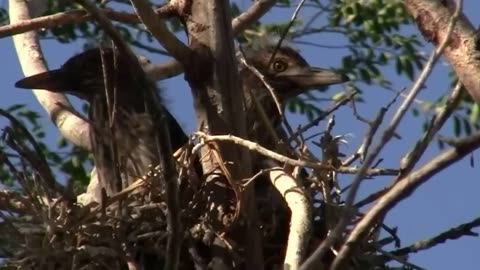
{"x": 279, "y": 66}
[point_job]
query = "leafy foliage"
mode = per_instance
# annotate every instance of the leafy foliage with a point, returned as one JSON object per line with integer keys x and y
{"x": 3, "y": 16}
{"x": 66, "y": 158}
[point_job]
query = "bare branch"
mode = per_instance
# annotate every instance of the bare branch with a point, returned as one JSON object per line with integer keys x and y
{"x": 367, "y": 139}
{"x": 108, "y": 27}
{"x": 73, "y": 17}
{"x": 254, "y": 13}
{"x": 320, "y": 118}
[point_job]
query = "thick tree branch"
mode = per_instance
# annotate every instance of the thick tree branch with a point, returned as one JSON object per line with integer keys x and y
{"x": 462, "y": 52}
{"x": 57, "y": 106}
{"x": 300, "y": 221}
{"x": 219, "y": 103}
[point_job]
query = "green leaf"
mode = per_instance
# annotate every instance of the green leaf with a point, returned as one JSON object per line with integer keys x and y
{"x": 365, "y": 76}
{"x": 456, "y": 126}
{"x": 15, "y": 107}
{"x": 474, "y": 113}
{"x": 467, "y": 126}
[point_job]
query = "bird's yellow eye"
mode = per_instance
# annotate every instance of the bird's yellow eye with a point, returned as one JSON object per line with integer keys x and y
{"x": 279, "y": 66}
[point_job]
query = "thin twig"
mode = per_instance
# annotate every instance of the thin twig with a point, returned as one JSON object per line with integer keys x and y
{"x": 400, "y": 260}
{"x": 320, "y": 118}
{"x": 285, "y": 32}
{"x": 259, "y": 75}
{"x": 409, "y": 161}
{"x": 108, "y": 27}
{"x": 374, "y": 125}
{"x": 464, "y": 229}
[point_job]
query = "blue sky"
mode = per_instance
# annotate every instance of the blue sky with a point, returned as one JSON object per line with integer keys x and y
{"x": 447, "y": 200}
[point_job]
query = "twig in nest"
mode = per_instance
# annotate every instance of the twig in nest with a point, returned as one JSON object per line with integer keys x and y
{"x": 299, "y": 163}
{"x": 320, "y": 118}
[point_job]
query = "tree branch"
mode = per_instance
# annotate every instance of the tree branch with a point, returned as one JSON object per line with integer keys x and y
{"x": 453, "y": 233}
{"x": 160, "y": 31}
{"x": 408, "y": 162}
{"x": 432, "y": 18}
{"x": 73, "y": 17}
{"x": 300, "y": 221}
{"x": 219, "y": 104}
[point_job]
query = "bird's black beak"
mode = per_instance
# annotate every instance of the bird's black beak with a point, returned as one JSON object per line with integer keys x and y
{"x": 322, "y": 77}
{"x": 54, "y": 81}
{"x": 307, "y": 78}
{"x": 50, "y": 80}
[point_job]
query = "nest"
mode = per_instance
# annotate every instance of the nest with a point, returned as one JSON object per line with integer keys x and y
{"x": 44, "y": 227}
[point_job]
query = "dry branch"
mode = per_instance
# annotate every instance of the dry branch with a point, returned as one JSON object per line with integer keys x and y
{"x": 73, "y": 17}
{"x": 293, "y": 162}
{"x": 160, "y": 31}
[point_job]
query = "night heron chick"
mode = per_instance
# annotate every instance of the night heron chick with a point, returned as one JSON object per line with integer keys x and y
{"x": 289, "y": 74}
{"x": 124, "y": 112}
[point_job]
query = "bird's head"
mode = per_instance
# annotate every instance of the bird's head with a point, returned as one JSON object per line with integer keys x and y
{"x": 83, "y": 75}
{"x": 288, "y": 72}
